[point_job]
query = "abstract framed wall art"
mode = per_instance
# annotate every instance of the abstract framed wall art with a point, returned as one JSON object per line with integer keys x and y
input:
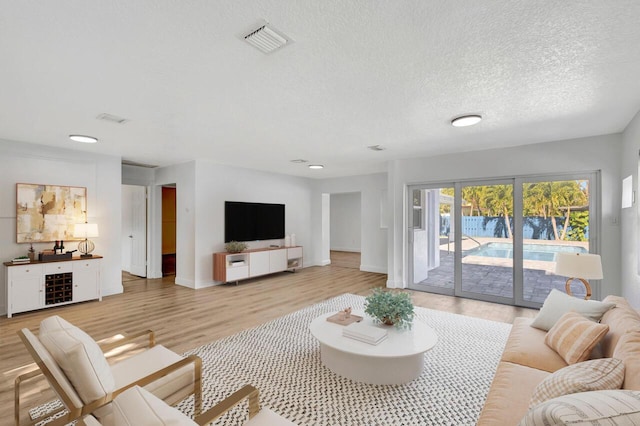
{"x": 48, "y": 212}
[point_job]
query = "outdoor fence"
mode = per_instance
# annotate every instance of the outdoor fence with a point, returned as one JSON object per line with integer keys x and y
{"x": 534, "y": 227}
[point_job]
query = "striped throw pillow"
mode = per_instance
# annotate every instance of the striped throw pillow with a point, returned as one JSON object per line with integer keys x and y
{"x": 593, "y": 375}
{"x": 574, "y": 336}
{"x": 606, "y": 407}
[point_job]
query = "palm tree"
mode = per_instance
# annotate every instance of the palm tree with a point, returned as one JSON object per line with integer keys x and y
{"x": 499, "y": 198}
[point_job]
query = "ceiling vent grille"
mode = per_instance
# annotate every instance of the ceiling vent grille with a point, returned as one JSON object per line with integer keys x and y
{"x": 112, "y": 118}
{"x": 267, "y": 39}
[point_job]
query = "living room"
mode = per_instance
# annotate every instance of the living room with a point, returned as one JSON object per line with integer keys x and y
{"x": 571, "y": 141}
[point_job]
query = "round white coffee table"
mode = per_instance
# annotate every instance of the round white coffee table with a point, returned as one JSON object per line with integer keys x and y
{"x": 397, "y": 359}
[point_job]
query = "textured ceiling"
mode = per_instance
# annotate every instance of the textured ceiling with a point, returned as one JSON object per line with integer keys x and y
{"x": 359, "y": 73}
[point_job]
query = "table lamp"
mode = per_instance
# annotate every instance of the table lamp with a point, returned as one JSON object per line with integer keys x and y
{"x": 85, "y": 230}
{"x": 581, "y": 266}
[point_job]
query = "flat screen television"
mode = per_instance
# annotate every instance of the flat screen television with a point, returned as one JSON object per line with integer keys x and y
{"x": 253, "y": 221}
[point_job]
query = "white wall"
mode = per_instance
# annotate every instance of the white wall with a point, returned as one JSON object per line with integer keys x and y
{"x": 373, "y": 231}
{"x": 184, "y": 177}
{"x": 202, "y": 188}
{"x": 630, "y": 279}
{"x": 345, "y": 222}
{"x": 577, "y": 155}
{"x": 30, "y": 163}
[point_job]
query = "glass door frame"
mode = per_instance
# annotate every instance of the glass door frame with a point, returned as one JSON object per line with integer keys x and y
{"x": 594, "y": 179}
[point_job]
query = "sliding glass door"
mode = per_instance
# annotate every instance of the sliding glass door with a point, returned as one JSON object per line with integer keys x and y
{"x": 556, "y": 215}
{"x": 486, "y": 212}
{"x": 509, "y": 231}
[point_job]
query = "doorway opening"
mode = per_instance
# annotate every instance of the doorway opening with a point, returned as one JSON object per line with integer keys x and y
{"x": 168, "y": 230}
{"x": 345, "y": 220}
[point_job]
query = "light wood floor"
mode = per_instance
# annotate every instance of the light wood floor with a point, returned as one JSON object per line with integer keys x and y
{"x": 183, "y": 318}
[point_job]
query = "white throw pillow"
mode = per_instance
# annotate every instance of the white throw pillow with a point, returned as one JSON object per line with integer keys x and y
{"x": 596, "y": 374}
{"x": 79, "y": 356}
{"x": 558, "y": 303}
{"x": 606, "y": 407}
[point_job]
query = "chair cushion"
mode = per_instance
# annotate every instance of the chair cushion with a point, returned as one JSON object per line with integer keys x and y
{"x": 138, "y": 407}
{"x": 574, "y": 336}
{"x": 144, "y": 363}
{"x": 596, "y": 374}
{"x": 606, "y": 407}
{"x": 79, "y": 356}
{"x": 558, "y": 303}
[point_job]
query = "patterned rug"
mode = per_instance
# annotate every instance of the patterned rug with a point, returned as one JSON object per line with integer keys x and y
{"x": 282, "y": 360}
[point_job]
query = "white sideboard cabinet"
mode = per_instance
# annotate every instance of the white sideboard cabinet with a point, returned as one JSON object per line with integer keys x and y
{"x": 228, "y": 267}
{"x": 38, "y": 285}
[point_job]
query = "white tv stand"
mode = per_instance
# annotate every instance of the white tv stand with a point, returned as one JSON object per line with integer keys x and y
{"x": 228, "y": 267}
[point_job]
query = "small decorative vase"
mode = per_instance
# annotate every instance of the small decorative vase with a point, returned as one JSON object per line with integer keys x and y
{"x": 287, "y": 241}
{"x": 388, "y": 321}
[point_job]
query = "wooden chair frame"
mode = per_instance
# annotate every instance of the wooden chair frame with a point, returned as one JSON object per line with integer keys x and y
{"x": 76, "y": 412}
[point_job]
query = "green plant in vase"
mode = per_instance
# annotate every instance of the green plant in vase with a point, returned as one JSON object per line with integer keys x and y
{"x": 390, "y": 308}
{"x": 235, "y": 247}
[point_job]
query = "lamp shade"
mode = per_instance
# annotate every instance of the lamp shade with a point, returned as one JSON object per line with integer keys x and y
{"x": 85, "y": 230}
{"x": 579, "y": 265}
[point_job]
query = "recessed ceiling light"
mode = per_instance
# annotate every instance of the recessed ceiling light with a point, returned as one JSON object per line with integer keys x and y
{"x": 83, "y": 138}
{"x": 376, "y": 148}
{"x": 316, "y": 166}
{"x": 466, "y": 120}
{"x": 299, "y": 161}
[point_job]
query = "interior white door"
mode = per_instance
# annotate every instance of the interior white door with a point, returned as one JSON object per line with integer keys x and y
{"x": 138, "y": 233}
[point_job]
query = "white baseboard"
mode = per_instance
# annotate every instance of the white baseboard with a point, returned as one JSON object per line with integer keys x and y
{"x": 347, "y": 249}
{"x": 371, "y": 268}
{"x": 207, "y": 284}
{"x": 185, "y": 282}
{"x": 393, "y": 284}
{"x": 112, "y": 290}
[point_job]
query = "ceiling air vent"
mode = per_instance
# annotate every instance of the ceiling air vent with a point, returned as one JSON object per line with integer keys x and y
{"x": 112, "y": 118}
{"x": 267, "y": 39}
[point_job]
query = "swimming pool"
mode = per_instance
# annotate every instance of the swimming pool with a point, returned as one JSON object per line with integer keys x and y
{"x": 544, "y": 252}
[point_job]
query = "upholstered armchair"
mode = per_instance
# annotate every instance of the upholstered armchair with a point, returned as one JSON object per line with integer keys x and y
{"x": 136, "y": 406}
{"x": 76, "y": 368}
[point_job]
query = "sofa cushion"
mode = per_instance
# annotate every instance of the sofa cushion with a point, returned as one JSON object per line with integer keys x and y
{"x": 558, "y": 303}
{"x": 606, "y": 407}
{"x": 138, "y": 407}
{"x": 510, "y": 393}
{"x": 525, "y": 346}
{"x": 620, "y": 319}
{"x": 597, "y": 374}
{"x": 79, "y": 356}
{"x": 628, "y": 350}
{"x": 574, "y": 336}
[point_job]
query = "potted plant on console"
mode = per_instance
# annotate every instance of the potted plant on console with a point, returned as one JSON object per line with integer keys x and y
{"x": 390, "y": 308}
{"x": 235, "y": 246}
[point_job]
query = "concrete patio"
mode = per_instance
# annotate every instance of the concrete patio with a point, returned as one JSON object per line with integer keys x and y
{"x": 494, "y": 276}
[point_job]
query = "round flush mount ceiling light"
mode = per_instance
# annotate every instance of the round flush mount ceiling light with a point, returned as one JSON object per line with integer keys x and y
{"x": 316, "y": 166}
{"x": 83, "y": 138}
{"x": 466, "y": 120}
